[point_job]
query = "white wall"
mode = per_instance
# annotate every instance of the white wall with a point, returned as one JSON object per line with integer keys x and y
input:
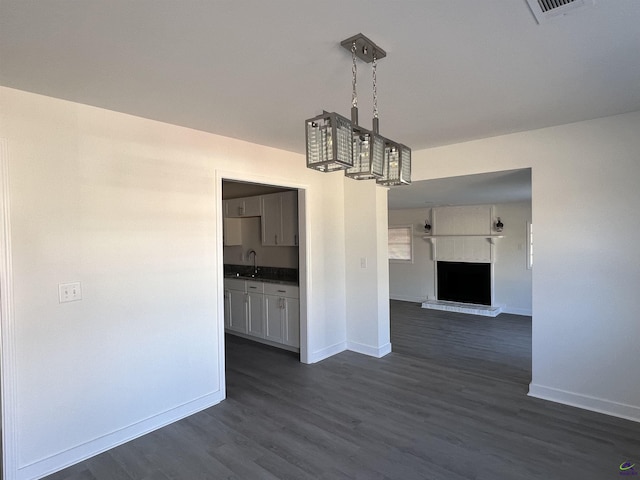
{"x": 367, "y": 268}
{"x": 415, "y": 282}
{"x": 131, "y": 208}
{"x": 512, "y": 279}
{"x": 585, "y": 301}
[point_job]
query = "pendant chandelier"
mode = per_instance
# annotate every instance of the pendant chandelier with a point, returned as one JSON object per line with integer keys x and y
{"x": 337, "y": 143}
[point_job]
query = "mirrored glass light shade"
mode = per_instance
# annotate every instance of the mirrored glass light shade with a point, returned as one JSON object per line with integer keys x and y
{"x": 329, "y": 142}
{"x": 397, "y": 165}
{"x": 368, "y": 155}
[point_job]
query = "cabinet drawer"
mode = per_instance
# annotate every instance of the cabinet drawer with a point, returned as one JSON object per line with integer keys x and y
{"x": 234, "y": 284}
{"x": 255, "y": 287}
{"x": 289, "y": 291}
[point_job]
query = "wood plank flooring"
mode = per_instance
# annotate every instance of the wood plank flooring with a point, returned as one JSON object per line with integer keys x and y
{"x": 449, "y": 403}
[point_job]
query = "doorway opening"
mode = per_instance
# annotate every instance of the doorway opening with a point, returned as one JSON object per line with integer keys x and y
{"x": 262, "y": 259}
{"x": 505, "y": 281}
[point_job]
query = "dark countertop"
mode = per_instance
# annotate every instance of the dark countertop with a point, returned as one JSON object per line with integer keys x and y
{"x": 277, "y": 275}
{"x": 261, "y": 279}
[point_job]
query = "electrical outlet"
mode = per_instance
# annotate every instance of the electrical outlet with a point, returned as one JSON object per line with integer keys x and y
{"x": 363, "y": 262}
{"x": 69, "y": 292}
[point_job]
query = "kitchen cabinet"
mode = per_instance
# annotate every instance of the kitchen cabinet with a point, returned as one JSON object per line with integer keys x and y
{"x": 242, "y": 207}
{"x": 289, "y": 218}
{"x": 255, "y": 309}
{"x": 271, "y": 219}
{"x": 263, "y": 311}
{"x": 280, "y": 219}
{"x": 235, "y": 308}
{"x": 282, "y": 314}
{"x": 232, "y": 232}
{"x": 274, "y": 318}
{"x": 292, "y": 315}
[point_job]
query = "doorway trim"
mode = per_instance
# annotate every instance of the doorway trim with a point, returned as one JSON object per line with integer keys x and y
{"x": 7, "y": 326}
{"x": 303, "y": 250}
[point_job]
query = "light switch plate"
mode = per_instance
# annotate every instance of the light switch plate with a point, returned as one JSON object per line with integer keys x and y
{"x": 69, "y": 292}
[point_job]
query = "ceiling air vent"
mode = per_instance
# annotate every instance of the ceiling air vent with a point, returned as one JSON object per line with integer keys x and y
{"x": 545, "y": 10}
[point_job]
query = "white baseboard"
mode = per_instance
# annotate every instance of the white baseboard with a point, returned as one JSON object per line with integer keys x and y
{"x": 517, "y": 311}
{"x": 600, "y": 405}
{"x": 377, "y": 352}
{"x": 406, "y": 298}
{"x": 106, "y": 442}
{"x": 327, "y": 352}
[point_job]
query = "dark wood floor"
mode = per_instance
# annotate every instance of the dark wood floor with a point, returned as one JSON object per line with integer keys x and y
{"x": 449, "y": 403}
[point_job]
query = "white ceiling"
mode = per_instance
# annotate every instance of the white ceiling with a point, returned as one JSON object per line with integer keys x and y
{"x": 482, "y": 189}
{"x": 456, "y": 70}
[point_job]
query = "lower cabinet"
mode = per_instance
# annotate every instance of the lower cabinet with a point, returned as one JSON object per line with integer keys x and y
{"x": 282, "y": 319}
{"x": 274, "y": 319}
{"x": 264, "y": 311}
{"x": 235, "y": 306}
{"x": 282, "y": 314}
{"x": 255, "y": 309}
{"x": 292, "y": 306}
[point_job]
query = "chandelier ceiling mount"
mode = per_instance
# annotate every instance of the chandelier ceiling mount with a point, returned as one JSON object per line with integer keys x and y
{"x": 365, "y": 48}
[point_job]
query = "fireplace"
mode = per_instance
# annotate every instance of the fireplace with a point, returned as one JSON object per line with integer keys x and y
{"x": 464, "y": 282}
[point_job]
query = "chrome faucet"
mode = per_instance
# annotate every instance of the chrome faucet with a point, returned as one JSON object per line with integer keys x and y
{"x": 255, "y": 255}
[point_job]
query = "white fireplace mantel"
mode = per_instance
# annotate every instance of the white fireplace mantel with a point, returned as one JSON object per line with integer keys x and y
{"x": 491, "y": 238}
{"x": 429, "y": 237}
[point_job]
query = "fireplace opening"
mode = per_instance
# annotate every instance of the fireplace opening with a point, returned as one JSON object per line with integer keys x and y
{"x": 464, "y": 282}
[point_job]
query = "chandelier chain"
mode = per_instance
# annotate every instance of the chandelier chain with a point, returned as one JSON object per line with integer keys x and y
{"x": 374, "y": 66}
{"x": 354, "y": 73}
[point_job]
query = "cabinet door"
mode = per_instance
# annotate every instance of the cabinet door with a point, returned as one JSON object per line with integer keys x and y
{"x": 227, "y": 308}
{"x": 292, "y": 321}
{"x": 289, "y": 218}
{"x": 234, "y": 207}
{"x": 251, "y": 207}
{"x": 232, "y": 231}
{"x": 238, "y": 311}
{"x": 255, "y": 314}
{"x": 274, "y": 318}
{"x": 271, "y": 219}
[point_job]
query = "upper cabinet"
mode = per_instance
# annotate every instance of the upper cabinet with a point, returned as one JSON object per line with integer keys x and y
{"x": 271, "y": 219}
{"x": 289, "y": 207}
{"x": 242, "y": 207}
{"x": 280, "y": 219}
{"x": 232, "y": 228}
